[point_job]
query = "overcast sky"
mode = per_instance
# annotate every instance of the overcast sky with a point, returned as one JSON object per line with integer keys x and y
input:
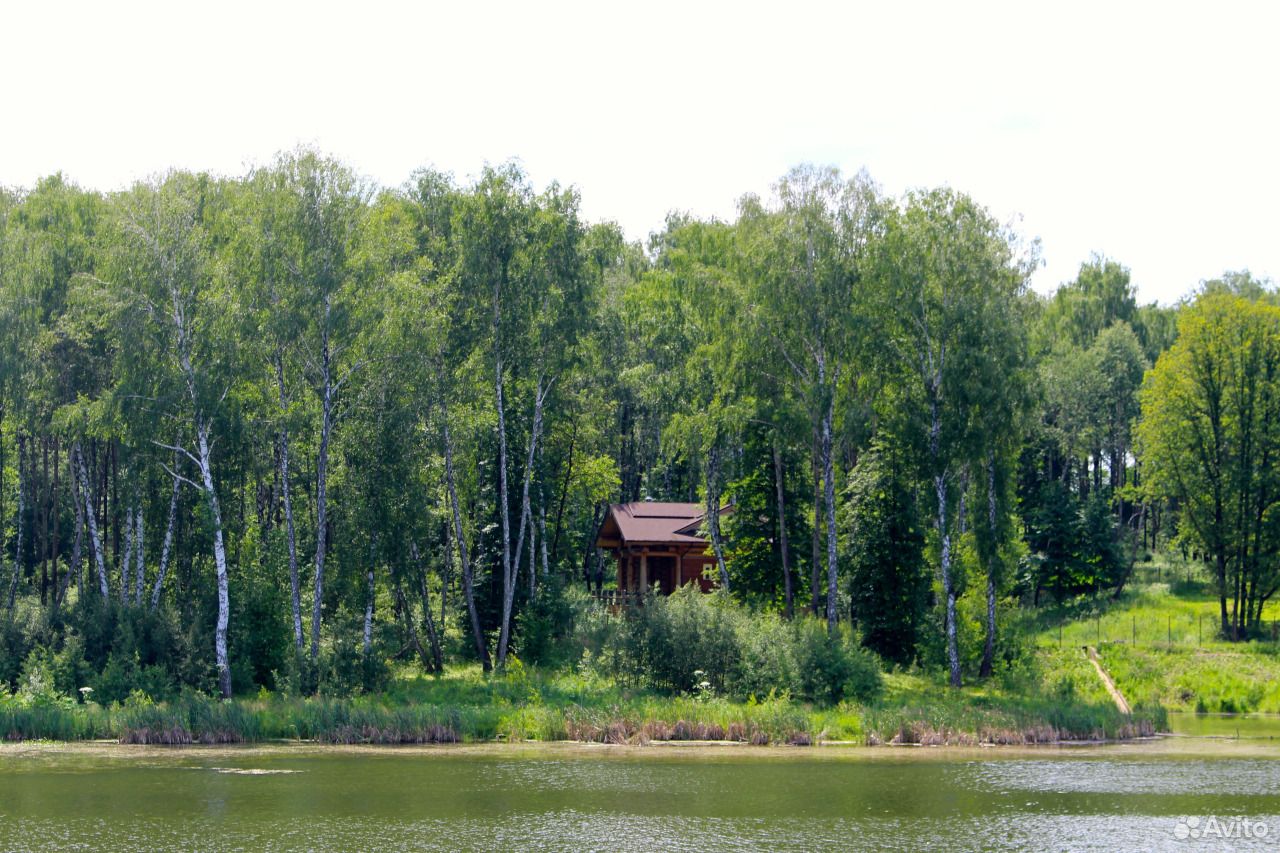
{"x": 1148, "y": 132}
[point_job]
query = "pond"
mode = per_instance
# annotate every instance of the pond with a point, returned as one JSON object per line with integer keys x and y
{"x": 567, "y": 797}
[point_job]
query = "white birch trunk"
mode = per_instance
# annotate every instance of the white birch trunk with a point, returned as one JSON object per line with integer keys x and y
{"x": 468, "y": 581}
{"x": 22, "y": 511}
{"x": 295, "y": 588}
{"x": 953, "y": 653}
{"x": 713, "y": 514}
{"x": 508, "y": 580}
{"x": 779, "y": 485}
{"x": 815, "y": 545}
{"x": 139, "y": 556}
{"x": 509, "y": 590}
{"x": 322, "y": 483}
{"x": 542, "y": 524}
{"x": 73, "y": 568}
{"x": 368, "y": 614}
{"x": 167, "y": 545}
{"x": 220, "y": 561}
{"x": 126, "y": 564}
{"x": 989, "y": 647}
{"x": 829, "y": 499}
{"x": 95, "y": 538}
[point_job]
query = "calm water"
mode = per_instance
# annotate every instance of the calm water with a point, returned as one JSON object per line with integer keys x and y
{"x": 1127, "y": 797}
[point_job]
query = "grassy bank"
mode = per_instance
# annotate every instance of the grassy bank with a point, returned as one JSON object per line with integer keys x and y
{"x": 464, "y": 706}
{"x": 1159, "y": 641}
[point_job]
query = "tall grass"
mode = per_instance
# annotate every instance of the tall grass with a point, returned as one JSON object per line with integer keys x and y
{"x": 531, "y": 706}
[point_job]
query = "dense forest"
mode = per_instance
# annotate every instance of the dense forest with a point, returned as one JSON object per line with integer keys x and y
{"x": 288, "y": 429}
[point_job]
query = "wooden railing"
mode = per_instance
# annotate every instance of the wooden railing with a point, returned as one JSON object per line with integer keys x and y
{"x": 614, "y": 599}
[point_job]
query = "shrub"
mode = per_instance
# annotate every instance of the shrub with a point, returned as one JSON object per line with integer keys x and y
{"x": 832, "y": 669}
{"x": 674, "y": 644}
{"x": 546, "y": 629}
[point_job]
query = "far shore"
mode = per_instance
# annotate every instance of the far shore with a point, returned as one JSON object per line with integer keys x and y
{"x": 1162, "y": 744}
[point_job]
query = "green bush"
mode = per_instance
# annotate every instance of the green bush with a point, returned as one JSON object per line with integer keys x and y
{"x": 675, "y": 644}
{"x": 547, "y": 628}
{"x": 832, "y": 669}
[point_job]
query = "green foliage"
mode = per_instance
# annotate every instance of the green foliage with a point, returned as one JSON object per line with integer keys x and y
{"x": 833, "y": 669}
{"x": 1209, "y": 435}
{"x": 837, "y": 362}
{"x": 883, "y": 549}
{"x": 1075, "y": 543}
{"x": 547, "y": 630}
{"x": 676, "y": 643}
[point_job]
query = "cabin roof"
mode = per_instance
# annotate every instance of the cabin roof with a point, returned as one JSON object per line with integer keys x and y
{"x": 652, "y": 522}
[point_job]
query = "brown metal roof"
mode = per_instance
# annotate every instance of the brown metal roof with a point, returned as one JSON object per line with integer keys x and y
{"x": 653, "y": 522}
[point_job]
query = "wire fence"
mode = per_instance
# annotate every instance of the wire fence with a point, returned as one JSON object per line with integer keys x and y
{"x": 1181, "y": 630}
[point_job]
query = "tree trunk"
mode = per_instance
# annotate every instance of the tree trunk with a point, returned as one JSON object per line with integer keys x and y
{"x": 219, "y": 558}
{"x": 368, "y": 613}
{"x": 564, "y": 492}
{"x": 446, "y": 577}
{"x": 433, "y": 637}
{"x": 468, "y": 581}
{"x": 73, "y": 568}
{"x": 295, "y": 588}
{"x": 112, "y": 488}
{"x": 166, "y": 546}
{"x": 1221, "y": 567}
{"x": 2, "y": 466}
{"x": 829, "y": 498}
{"x": 953, "y": 652}
{"x": 508, "y": 579}
{"x": 322, "y": 485}
{"x": 404, "y": 614}
{"x": 815, "y": 560}
{"x": 542, "y": 531}
{"x": 57, "y": 470}
{"x": 788, "y": 594}
{"x": 91, "y": 516}
{"x": 46, "y": 512}
{"x": 509, "y": 589}
{"x": 989, "y": 647}
{"x": 713, "y": 513}
{"x": 944, "y": 534}
{"x": 126, "y": 564}
{"x": 588, "y": 575}
{"x": 139, "y": 556}
{"x": 22, "y": 511}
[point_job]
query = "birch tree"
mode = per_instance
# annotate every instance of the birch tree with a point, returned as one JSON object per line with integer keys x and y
{"x": 802, "y": 260}
{"x": 319, "y": 207}
{"x": 165, "y": 262}
{"x": 948, "y": 273}
{"x": 519, "y": 252}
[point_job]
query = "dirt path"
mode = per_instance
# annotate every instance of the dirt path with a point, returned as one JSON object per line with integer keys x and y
{"x": 1116, "y": 695}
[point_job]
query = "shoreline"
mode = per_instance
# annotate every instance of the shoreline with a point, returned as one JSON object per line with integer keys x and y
{"x": 1161, "y": 744}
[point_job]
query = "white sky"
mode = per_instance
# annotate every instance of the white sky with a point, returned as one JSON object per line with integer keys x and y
{"x": 1145, "y": 131}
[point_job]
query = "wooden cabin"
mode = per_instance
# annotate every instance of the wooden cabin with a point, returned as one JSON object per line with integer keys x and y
{"x": 658, "y": 543}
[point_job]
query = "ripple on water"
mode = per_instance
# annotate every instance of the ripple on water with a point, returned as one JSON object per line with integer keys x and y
{"x": 1218, "y": 777}
{"x": 571, "y": 830}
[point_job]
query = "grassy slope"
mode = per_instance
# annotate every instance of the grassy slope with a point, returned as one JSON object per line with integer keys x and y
{"x": 1159, "y": 643}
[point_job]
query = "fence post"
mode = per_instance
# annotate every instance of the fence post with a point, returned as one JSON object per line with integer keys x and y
{"x": 1169, "y": 639}
{"x": 1134, "y": 641}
